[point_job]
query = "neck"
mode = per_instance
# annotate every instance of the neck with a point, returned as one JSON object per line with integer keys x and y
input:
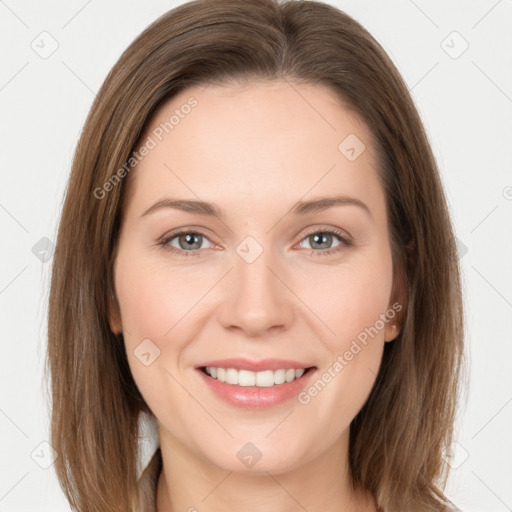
{"x": 189, "y": 483}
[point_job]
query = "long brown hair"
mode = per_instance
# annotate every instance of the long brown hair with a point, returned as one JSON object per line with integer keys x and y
{"x": 397, "y": 439}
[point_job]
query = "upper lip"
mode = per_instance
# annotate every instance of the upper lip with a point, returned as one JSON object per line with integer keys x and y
{"x": 255, "y": 366}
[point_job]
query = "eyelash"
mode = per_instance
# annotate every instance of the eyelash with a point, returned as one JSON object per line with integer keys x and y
{"x": 345, "y": 242}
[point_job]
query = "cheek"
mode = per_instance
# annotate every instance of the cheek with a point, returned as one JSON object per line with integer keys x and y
{"x": 157, "y": 304}
{"x": 354, "y": 309}
{"x": 357, "y": 297}
{"x": 152, "y": 305}
{"x": 153, "y": 299}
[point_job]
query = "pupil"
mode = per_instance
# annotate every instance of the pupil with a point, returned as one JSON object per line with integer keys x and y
{"x": 191, "y": 239}
{"x": 323, "y": 236}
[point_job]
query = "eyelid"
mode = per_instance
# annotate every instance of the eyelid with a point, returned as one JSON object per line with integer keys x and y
{"x": 345, "y": 238}
{"x": 170, "y": 235}
{"x": 327, "y": 229}
{"x": 346, "y": 241}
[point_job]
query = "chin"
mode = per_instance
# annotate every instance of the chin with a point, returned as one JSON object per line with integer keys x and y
{"x": 259, "y": 457}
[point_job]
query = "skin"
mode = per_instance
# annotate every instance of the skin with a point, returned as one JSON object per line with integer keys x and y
{"x": 255, "y": 150}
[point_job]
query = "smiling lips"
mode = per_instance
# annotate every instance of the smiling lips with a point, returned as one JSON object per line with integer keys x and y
{"x": 255, "y": 384}
{"x": 266, "y": 378}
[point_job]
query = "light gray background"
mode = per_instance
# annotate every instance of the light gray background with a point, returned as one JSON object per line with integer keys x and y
{"x": 466, "y": 105}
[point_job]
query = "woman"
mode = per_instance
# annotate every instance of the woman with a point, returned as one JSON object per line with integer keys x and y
{"x": 279, "y": 374}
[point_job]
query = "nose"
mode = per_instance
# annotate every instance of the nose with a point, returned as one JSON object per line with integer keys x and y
{"x": 257, "y": 298}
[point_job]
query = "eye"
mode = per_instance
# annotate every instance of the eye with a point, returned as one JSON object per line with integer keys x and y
{"x": 188, "y": 243}
{"x": 322, "y": 239}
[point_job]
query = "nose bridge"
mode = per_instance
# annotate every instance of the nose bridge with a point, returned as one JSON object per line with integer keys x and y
{"x": 257, "y": 299}
{"x": 252, "y": 269}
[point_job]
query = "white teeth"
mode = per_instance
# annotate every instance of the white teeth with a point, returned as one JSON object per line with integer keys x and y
{"x": 279, "y": 376}
{"x": 221, "y": 374}
{"x": 231, "y": 376}
{"x": 264, "y": 379}
{"x": 245, "y": 378}
{"x": 290, "y": 375}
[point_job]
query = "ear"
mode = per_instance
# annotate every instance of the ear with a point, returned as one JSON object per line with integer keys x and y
{"x": 396, "y": 305}
{"x": 114, "y": 315}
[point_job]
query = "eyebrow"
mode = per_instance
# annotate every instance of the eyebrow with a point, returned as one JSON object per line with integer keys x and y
{"x": 212, "y": 210}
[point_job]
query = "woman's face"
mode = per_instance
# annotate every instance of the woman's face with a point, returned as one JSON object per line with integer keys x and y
{"x": 272, "y": 282}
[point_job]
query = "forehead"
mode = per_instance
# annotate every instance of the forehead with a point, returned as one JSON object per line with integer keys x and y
{"x": 260, "y": 141}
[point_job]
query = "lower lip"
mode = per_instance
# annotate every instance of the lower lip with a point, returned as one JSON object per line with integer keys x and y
{"x": 254, "y": 397}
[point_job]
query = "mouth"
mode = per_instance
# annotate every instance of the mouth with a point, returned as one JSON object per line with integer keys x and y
{"x": 255, "y": 384}
{"x": 261, "y": 379}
